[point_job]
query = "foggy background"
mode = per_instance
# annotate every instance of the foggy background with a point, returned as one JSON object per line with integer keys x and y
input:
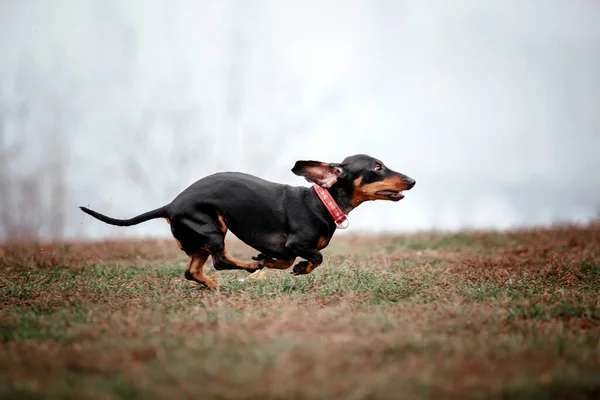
{"x": 493, "y": 107}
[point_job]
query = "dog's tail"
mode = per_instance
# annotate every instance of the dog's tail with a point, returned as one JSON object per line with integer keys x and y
{"x": 158, "y": 213}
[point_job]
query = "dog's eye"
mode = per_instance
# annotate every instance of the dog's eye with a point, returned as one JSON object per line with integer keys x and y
{"x": 378, "y": 167}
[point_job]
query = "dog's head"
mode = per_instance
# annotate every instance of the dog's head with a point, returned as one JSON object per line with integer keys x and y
{"x": 367, "y": 177}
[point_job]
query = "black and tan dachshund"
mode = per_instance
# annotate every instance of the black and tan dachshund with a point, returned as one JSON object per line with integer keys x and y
{"x": 282, "y": 222}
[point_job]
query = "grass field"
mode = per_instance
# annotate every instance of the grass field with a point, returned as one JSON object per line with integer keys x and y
{"x": 467, "y": 315}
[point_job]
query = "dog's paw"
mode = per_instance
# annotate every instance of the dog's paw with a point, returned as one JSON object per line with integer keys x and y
{"x": 209, "y": 283}
{"x": 260, "y": 257}
{"x": 264, "y": 257}
{"x": 259, "y": 265}
{"x": 264, "y": 260}
{"x": 188, "y": 275}
{"x": 301, "y": 268}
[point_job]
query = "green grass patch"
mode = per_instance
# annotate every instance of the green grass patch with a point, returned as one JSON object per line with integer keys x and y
{"x": 332, "y": 281}
{"x": 447, "y": 316}
{"x": 563, "y": 309}
{"x": 39, "y": 323}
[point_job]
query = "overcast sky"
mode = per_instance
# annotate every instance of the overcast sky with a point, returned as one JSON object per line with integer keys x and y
{"x": 491, "y": 106}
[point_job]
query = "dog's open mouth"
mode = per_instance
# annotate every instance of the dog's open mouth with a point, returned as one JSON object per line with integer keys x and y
{"x": 391, "y": 194}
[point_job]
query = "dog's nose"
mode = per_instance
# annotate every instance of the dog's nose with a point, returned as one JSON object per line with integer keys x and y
{"x": 411, "y": 183}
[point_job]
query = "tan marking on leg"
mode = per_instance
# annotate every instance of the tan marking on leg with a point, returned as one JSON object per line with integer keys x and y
{"x": 242, "y": 264}
{"x": 279, "y": 264}
{"x": 168, "y": 220}
{"x": 311, "y": 267}
{"x": 222, "y": 224}
{"x": 196, "y": 270}
{"x": 304, "y": 268}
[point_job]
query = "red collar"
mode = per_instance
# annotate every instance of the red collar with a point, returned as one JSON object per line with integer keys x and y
{"x": 336, "y": 212}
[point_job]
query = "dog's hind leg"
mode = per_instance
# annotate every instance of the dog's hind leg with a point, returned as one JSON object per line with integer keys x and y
{"x": 195, "y": 271}
{"x": 204, "y": 235}
{"x": 222, "y": 260}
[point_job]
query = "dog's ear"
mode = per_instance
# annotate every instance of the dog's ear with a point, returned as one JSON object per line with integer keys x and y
{"x": 323, "y": 174}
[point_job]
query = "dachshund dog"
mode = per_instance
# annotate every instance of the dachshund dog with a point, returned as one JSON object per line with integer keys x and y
{"x": 282, "y": 222}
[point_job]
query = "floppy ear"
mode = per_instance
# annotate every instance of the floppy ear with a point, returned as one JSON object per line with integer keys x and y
{"x": 321, "y": 173}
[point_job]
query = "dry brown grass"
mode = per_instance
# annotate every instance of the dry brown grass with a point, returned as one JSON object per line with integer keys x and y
{"x": 431, "y": 315}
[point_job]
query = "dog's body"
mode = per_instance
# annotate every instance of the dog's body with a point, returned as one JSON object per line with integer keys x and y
{"x": 282, "y": 222}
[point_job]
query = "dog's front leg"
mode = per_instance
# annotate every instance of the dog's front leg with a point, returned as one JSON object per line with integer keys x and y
{"x": 313, "y": 257}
